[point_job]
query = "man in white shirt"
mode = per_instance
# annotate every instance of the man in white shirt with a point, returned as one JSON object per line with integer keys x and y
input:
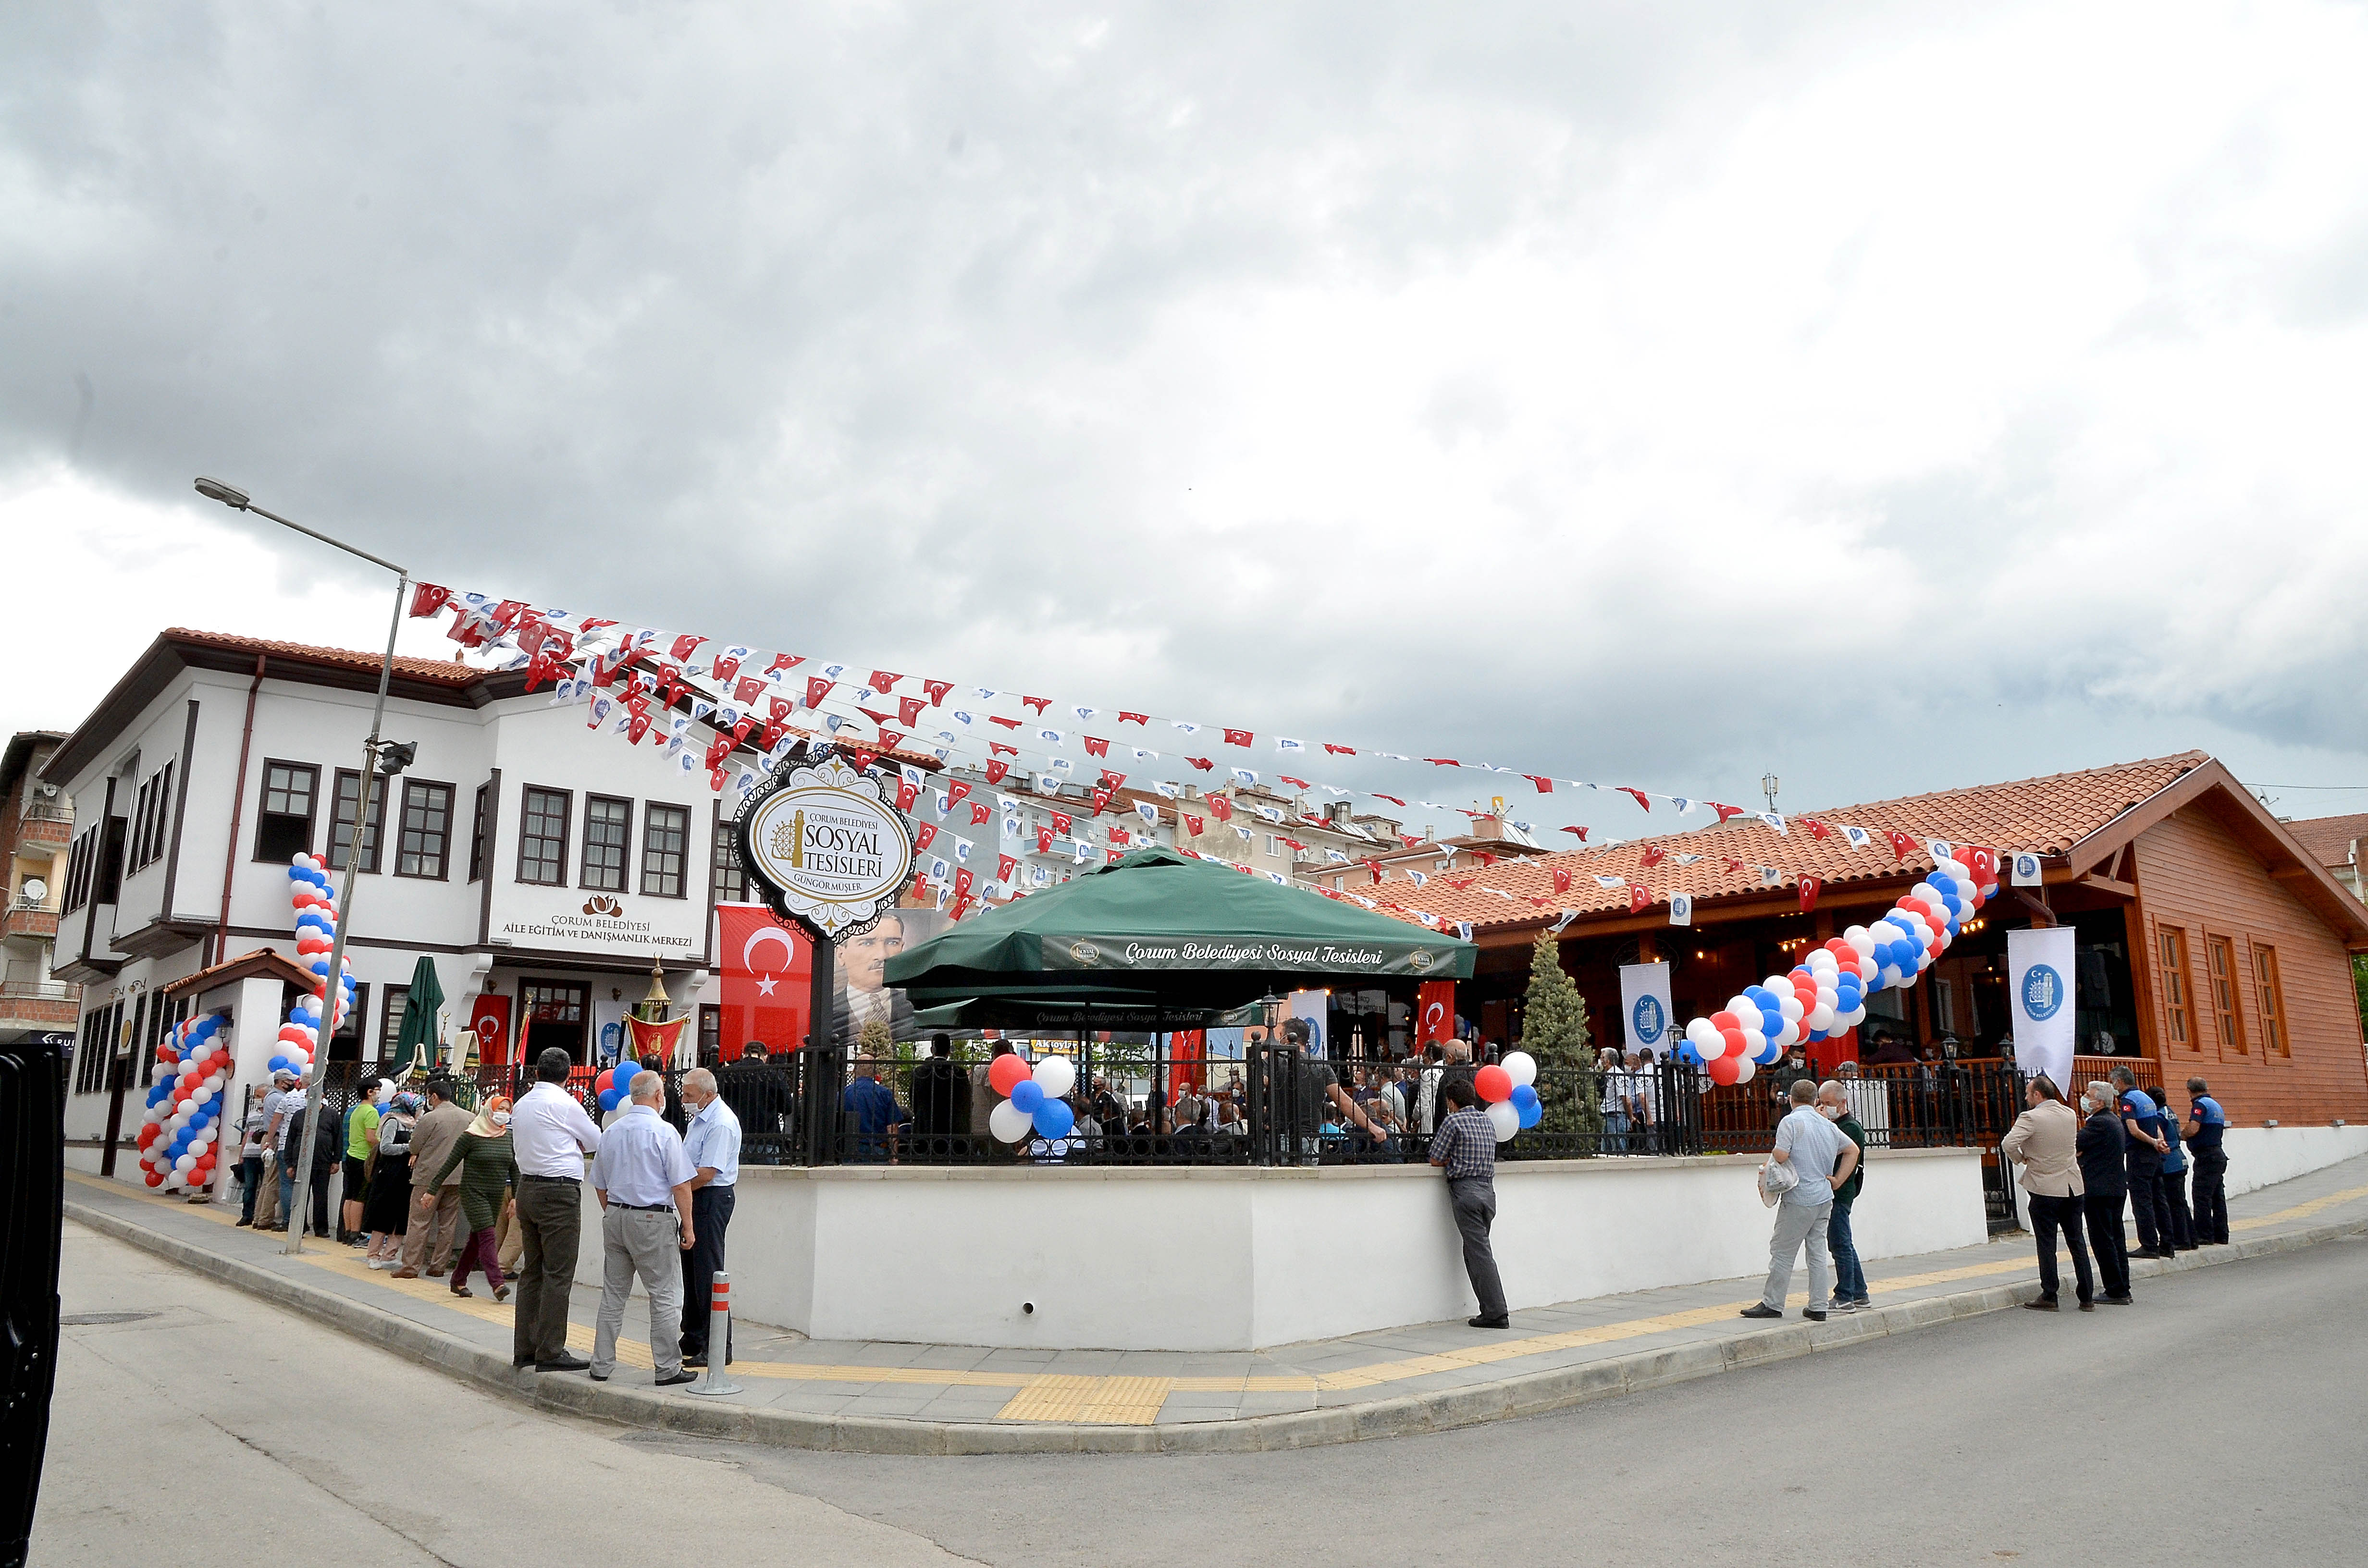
{"x": 712, "y": 1143}
{"x": 551, "y": 1135}
{"x": 642, "y": 1178}
{"x": 1822, "y": 1158}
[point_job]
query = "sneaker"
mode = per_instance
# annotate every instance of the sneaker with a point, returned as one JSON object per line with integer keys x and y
{"x": 1863, "y": 1304}
{"x": 1760, "y": 1309}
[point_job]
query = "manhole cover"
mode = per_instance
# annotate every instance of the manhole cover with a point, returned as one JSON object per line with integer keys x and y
{"x": 85, "y": 1319}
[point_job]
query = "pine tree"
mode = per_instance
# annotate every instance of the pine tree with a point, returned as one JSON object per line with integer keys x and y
{"x": 1555, "y": 1030}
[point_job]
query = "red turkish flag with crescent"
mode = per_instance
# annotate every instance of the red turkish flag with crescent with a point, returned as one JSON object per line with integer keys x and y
{"x": 1435, "y": 1022}
{"x": 1640, "y": 898}
{"x": 817, "y": 687}
{"x": 767, "y": 972}
{"x": 489, "y": 1020}
{"x": 1561, "y": 879}
{"x": 1809, "y": 886}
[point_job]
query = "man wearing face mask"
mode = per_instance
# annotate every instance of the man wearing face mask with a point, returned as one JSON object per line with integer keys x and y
{"x": 1850, "y": 1279}
{"x": 712, "y": 1145}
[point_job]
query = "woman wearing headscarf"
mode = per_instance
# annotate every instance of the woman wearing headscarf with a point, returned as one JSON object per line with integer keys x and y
{"x": 488, "y": 1172}
{"x": 387, "y": 1209}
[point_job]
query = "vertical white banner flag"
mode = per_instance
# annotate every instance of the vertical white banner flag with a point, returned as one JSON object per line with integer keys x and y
{"x": 1645, "y": 1006}
{"x": 2039, "y": 979}
{"x": 608, "y": 1030}
{"x": 1315, "y": 1007}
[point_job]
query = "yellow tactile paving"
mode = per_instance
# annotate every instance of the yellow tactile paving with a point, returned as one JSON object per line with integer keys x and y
{"x": 1103, "y": 1401}
{"x": 1136, "y": 1400}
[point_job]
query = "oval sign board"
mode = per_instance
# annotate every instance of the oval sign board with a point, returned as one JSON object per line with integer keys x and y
{"x": 825, "y": 848}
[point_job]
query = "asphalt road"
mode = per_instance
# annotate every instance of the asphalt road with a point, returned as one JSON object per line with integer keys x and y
{"x": 2218, "y": 1421}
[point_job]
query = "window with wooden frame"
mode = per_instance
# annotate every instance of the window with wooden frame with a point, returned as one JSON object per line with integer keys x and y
{"x": 152, "y": 819}
{"x": 665, "y": 839}
{"x": 608, "y": 838}
{"x": 2178, "y": 1020}
{"x": 477, "y": 834}
{"x": 2220, "y": 966}
{"x": 542, "y": 837}
{"x": 80, "y": 860}
{"x": 283, "y": 826}
{"x": 423, "y": 847}
{"x": 730, "y": 881}
{"x": 390, "y": 1027}
{"x": 341, "y": 826}
{"x": 2275, "y": 1040}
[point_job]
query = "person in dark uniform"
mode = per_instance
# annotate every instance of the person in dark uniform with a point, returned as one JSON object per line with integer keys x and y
{"x": 2205, "y": 1124}
{"x": 941, "y": 1104}
{"x": 2104, "y": 1177}
{"x": 2142, "y": 1120}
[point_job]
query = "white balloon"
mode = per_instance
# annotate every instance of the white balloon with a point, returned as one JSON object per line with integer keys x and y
{"x": 1787, "y": 1036}
{"x": 1009, "y": 1123}
{"x": 1789, "y": 1004}
{"x": 1056, "y": 1075}
{"x": 1712, "y": 1049}
{"x": 1822, "y": 961}
{"x": 1753, "y": 1020}
{"x": 1506, "y": 1120}
{"x": 1861, "y": 938}
{"x": 1823, "y": 1018}
{"x": 1744, "y": 1069}
{"x": 1521, "y": 1066}
{"x": 1705, "y": 1034}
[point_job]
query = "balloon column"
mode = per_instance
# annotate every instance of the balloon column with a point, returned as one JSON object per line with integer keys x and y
{"x": 1825, "y": 992}
{"x": 1034, "y": 1102}
{"x": 180, "y": 1136}
{"x": 1510, "y": 1090}
{"x": 614, "y": 1086}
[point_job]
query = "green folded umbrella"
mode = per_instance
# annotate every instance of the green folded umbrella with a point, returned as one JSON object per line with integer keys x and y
{"x": 419, "y": 1010}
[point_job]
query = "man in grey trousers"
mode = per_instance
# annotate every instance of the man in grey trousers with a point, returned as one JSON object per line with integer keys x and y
{"x": 1465, "y": 1150}
{"x": 1816, "y": 1152}
{"x": 642, "y": 1180}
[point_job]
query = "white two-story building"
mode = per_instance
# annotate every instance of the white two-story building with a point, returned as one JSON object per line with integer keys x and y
{"x": 539, "y": 864}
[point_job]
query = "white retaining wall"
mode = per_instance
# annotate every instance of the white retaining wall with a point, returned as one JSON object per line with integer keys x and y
{"x": 1230, "y": 1259}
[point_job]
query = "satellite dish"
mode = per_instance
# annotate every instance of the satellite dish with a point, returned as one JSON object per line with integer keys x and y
{"x": 35, "y": 890}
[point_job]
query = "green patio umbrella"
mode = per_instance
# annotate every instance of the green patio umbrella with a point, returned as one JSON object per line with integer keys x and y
{"x": 419, "y": 1009}
{"x": 1165, "y": 930}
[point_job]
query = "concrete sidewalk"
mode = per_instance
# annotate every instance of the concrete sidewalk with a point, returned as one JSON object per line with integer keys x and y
{"x": 899, "y": 1398}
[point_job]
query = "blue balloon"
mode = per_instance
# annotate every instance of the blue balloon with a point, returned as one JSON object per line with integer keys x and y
{"x": 1525, "y": 1096}
{"x": 1028, "y": 1095}
{"x": 1053, "y": 1118}
{"x": 1688, "y": 1054}
{"x": 1531, "y": 1112}
{"x": 277, "y": 1062}
{"x": 610, "y": 1099}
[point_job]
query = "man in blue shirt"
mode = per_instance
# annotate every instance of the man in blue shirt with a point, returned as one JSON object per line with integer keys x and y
{"x": 877, "y": 1118}
{"x": 2142, "y": 1119}
{"x": 711, "y": 1143}
{"x": 2205, "y": 1124}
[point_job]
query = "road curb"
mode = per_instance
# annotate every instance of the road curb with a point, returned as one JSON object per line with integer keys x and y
{"x": 1530, "y": 1393}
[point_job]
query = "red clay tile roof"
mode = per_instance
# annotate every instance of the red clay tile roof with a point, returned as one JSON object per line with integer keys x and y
{"x": 2048, "y": 815}
{"x": 2330, "y": 839}
{"x": 447, "y": 672}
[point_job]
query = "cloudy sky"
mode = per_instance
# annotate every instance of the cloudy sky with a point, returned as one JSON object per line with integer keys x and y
{"x": 1890, "y": 396}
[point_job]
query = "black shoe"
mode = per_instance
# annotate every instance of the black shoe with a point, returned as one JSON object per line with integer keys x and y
{"x": 1501, "y": 1320}
{"x": 2187, "y": 1246}
{"x": 2119, "y": 1302}
{"x": 520, "y": 1363}
{"x": 685, "y": 1376}
{"x": 2088, "y": 1306}
{"x": 2150, "y": 1252}
{"x": 2044, "y": 1305}
{"x": 564, "y": 1364}
{"x": 694, "y": 1357}
{"x": 1812, "y": 1316}
{"x": 599, "y": 1376}
{"x": 242, "y": 1222}
{"x": 1760, "y": 1309}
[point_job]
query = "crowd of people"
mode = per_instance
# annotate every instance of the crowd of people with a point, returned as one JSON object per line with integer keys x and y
{"x": 431, "y": 1190}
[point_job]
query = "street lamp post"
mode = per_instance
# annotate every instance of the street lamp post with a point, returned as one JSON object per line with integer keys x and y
{"x": 316, "y": 1080}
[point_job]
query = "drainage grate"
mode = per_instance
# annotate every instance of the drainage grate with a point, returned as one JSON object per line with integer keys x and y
{"x": 86, "y": 1320}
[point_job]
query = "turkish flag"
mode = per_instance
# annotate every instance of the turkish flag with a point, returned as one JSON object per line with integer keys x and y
{"x": 1043, "y": 841}
{"x": 963, "y": 880}
{"x": 724, "y": 667}
{"x": 780, "y": 708}
{"x": 924, "y": 834}
{"x": 979, "y": 811}
{"x": 1097, "y": 746}
{"x": 1061, "y": 825}
{"x": 1652, "y": 856}
{"x": 1809, "y": 886}
{"x": 1222, "y": 807}
{"x": 907, "y": 792}
{"x": 1237, "y": 737}
{"x": 1187, "y": 1051}
{"x": 817, "y": 687}
{"x": 1900, "y": 843}
{"x": 1640, "y": 898}
{"x": 747, "y": 690}
{"x": 1561, "y": 879}
{"x": 426, "y": 598}
{"x": 685, "y": 646}
{"x": 1101, "y": 801}
{"x": 882, "y": 680}
{"x": 1192, "y": 824}
{"x": 783, "y": 662}
{"x": 957, "y": 790}
{"x": 908, "y": 710}
{"x": 489, "y": 1020}
{"x": 997, "y": 771}
{"x": 1004, "y": 865}
{"x": 1436, "y": 1008}
{"x": 937, "y": 690}
{"x": 768, "y": 979}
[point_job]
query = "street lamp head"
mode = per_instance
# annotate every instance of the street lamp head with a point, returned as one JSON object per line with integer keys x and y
{"x": 229, "y": 495}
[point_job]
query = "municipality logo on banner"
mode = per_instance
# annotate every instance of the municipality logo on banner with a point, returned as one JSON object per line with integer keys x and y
{"x": 1644, "y": 1004}
{"x": 2039, "y": 969}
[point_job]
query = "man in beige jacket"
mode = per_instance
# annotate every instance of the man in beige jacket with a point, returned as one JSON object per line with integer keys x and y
{"x": 433, "y": 1235}
{"x": 2043, "y": 1142}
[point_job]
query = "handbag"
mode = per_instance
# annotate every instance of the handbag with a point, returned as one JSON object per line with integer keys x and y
{"x": 1776, "y": 1179}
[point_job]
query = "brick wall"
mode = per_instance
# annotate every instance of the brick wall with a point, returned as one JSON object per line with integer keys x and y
{"x": 2197, "y": 880}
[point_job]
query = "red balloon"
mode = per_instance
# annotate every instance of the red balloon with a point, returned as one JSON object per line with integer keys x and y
{"x": 155, "y": 1180}
{"x": 1726, "y": 1022}
{"x": 605, "y": 1082}
{"x": 1493, "y": 1083}
{"x": 1736, "y": 1047}
{"x": 1725, "y": 1070}
{"x": 1006, "y": 1072}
